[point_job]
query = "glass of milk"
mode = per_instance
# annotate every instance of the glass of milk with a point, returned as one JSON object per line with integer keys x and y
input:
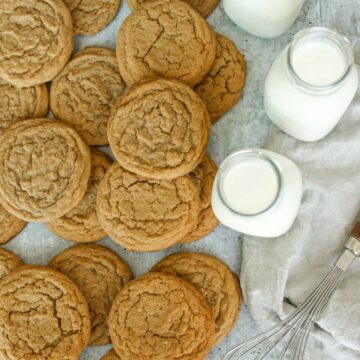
{"x": 257, "y": 192}
{"x": 264, "y": 18}
{"x": 311, "y": 84}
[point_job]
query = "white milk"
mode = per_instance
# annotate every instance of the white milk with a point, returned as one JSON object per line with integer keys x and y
{"x": 264, "y": 18}
{"x": 257, "y": 192}
{"x": 250, "y": 186}
{"x": 311, "y": 84}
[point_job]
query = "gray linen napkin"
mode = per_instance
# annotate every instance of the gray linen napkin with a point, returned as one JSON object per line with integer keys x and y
{"x": 278, "y": 274}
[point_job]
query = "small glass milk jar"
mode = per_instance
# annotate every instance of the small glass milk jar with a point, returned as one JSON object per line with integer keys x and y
{"x": 263, "y": 18}
{"x": 257, "y": 192}
{"x": 311, "y": 84}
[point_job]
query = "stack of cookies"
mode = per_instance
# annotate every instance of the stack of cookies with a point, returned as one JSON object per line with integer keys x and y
{"x": 153, "y": 101}
{"x": 86, "y": 297}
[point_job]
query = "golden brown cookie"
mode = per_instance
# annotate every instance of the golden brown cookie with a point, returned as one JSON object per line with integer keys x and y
{"x": 45, "y": 167}
{"x": 203, "y": 7}
{"x": 159, "y": 130}
{"x": 8, "y": 262}
{"x": 204, "y": 176}
{"x": 110, "y": 355}
{"x": 216, "y": 282}
{"x": 91, "y": 16}
{"x": 162, "y": 316}
{"x": 83, "y": 94}
{"x": 43, "y": 316}
{"x": 146, "y": 215}
{"x": 222, "y": 87}
{"x": 168, "y": 39}
{"x": 20, "y": 104}
{"x": 100, "y": 274}
{"x": 10, "y": 226}
{"x": 36, "y": 42}
{"x": 81, "y": 223}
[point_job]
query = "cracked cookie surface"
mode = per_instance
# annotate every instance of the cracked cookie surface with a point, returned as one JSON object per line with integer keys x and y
{"x": 20, "y": 104}
{"x": 161, "y": 317}
{"x": 216, "y": 282}
{"x": 81, "y": 223}
{"x": 222, "y": 87}
{"x": 8, "y": 262}
{"x": 159, "y": 130}
{"x": 83, "y": 94}
{"x": 36, "y": 42}
{"x": 43, "y": 315}
{"x": 203, "y": 7}
{"x": 91, "y": 16}
{"x": 45, "y": 167}
{"x": 10, "y": 226}
{"x": 165, "y": 38}
{"x": 100, "y": 274}
{"x": 203, "y": 176}
{"x": 110, "y": 355}
{"x": 146, "y": 215}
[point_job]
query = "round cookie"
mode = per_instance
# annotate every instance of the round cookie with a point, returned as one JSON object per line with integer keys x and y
{"x": 83, "y": 94}
{"x": 20, "y": 104}
{"x": 100, "y": 274}
{"x": 8, "y": 262}
{"x": 110, "y": 355}
{"x": 10, "y": 226}
{"x": 81, "y": 223}
{"x": 204, "y": 176}
{"x": 45, "y": 167}
{"x": 222, "y": 87}
{"x": 159, "y": 130}
{"x": 167, "y": 39}
{"x": 203, "y": 7}
{"x": 146, "y": 215}
{"x": 91, "y": 16}
{"x": 161, "y": 317}
{"x": 216, "y": 282}
{"x": 37, "y": 40}
{"x": 43, "y": 315}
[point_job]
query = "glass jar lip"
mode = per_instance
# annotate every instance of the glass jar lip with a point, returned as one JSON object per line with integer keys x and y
{"x": 342, "y": 41}
{"x": 236, "y": 156}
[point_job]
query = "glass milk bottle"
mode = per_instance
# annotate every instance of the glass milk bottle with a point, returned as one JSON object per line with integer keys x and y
{"x": 264, "y": 18}
{"x": 257, "y": 192}
{"x": 311, "y": 84}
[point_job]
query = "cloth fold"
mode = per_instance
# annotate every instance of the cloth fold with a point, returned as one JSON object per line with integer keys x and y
{"x": 278, "y": 274}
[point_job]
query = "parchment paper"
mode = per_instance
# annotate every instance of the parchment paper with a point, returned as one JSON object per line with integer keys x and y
{"x": 245, "y": 126}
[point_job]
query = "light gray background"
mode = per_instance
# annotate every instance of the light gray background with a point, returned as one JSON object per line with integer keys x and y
{"x": 245, "y": 126}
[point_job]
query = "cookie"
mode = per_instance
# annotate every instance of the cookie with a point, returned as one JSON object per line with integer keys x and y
{"x": 203, "y": 7}
{"x": 20, "y": 104}
{"x": 222, "y": 87}
{"x": 10, "y": 226}
{"x": 8, "y": 262}
{"x": 45, "y": 167}
{"x": 100, "y": 274}
{"x": 216, "y": 282}
{"x": 81, "y": 223}
{"x": 204, "y": 176}
{"x": 159, "y": 130}
{"x": 43, "y": 315}
{"x": 110, "y": 355}
{"x": 83, "y": 94}
{"x": 146, "y": 215}
{"x": 160, "y": 317}
{"x": 37, "y": 40}
{"x": 167, "y": 39}
{"x": 91, "y": 16}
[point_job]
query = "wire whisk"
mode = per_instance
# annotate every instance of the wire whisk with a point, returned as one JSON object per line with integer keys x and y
{"x": 288, "y": 339}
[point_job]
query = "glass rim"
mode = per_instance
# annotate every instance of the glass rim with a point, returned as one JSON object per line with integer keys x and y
{"x": 238, "y": 155}
{"x": 342, "y": 42}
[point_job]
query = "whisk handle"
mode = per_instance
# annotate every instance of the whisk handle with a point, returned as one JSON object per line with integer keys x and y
{"x": 356, "y": 231}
